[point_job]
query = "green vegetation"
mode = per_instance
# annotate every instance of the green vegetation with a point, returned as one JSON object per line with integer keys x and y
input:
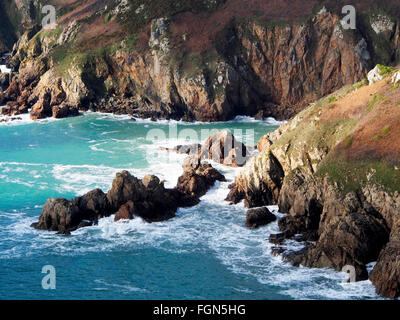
{"x": 348, "y": 141}
{"x": 361, "y": 84}
{"x": 108, "y": 16}
{"x": 332, "y": 99}
{"x": 374, "y": 101}
{"x": 385, "y": 130}
{"x": 352, "y": 176}
{"x": 385, "y": 71}
{"x": 144, "y": 11}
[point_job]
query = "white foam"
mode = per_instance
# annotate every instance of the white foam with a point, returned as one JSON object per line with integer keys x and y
{"x": 23, "y": 119}
{"x": 4, "y": 69}
{"x": 212, "y": 226}
{"x": 244, "y": 119}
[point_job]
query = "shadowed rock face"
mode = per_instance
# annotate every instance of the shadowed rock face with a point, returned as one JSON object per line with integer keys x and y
{"x": 198, "y": 177}
{"x": 128, "y": 198}
{"x": 259, "y": 217}
{"x": 386, "y": 273}
{"x": 65, "y": 216}
{"x": 347, "y": 230}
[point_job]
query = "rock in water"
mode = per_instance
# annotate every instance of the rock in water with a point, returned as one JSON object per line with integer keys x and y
{"x": 13, "y": 108}
{"x": 129, "y": 197}
{"x": 259, "y": 217}
{"x": 64, "y": 111}
{"x": 386, "y": 273}
{"x": 59, "y": 215}
{"x": 222, "y": 147}
{"x": 65, "y": 216}
{"x": 197, "y": 177}
{"x": 125, "y": 187}
{"x": 94, "y": 205}
{"x": 126, "y": 212}
{"x": 189, "y": 149}
{"x": 42, "y": 108}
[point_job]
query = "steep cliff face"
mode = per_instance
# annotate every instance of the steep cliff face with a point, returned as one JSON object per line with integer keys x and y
{"x": 335, "y": 169}
{"x": 207, "y": 60}
{"x": 15, "y": 17}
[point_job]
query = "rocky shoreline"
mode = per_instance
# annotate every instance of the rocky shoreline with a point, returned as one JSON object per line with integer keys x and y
{"x": 342, "y": 202}
{"x": 333, "y": 168}
{"x": 262, "y": 71}
{"x": 339, "y": 229}
{"x": 147, "y": 198}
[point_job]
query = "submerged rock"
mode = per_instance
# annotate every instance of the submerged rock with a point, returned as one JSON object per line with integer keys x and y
{"x": 190, "y": 149}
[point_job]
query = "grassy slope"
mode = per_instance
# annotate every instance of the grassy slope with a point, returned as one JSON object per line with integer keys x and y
{"x": 360, "y": 126}
{"x": 371, "y": 151}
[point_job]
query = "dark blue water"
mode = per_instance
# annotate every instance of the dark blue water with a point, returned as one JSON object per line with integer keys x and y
{"x": 204, "y": 253}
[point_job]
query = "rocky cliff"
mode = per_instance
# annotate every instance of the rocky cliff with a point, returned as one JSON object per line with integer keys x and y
{"x": 195, "y": 60}
{"x": 335, "y": 169}
{"x": 15, "y": 17}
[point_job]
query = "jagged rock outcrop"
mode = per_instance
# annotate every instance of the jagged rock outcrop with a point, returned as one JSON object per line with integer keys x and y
{"x": 4, "y": 81}
{"x": 13, "y": 109}
{"x": 386, "y": 273}
{"x": 146, "y": 198}
{"x": 15, "y": 17}
{"x": 337, "y": 169}
{"x": 243, "y": 67}
{"x": 348, "y": 229}
{"x": 259, "y": 183}
{"x": 197, "y": 177}
{"x": 130, "y": 197}
{"x": 65, "y": 216}
{"x": 222, "y": 147}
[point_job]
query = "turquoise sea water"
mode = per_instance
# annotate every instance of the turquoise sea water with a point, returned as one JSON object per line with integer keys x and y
{"x": 204, "y": 253}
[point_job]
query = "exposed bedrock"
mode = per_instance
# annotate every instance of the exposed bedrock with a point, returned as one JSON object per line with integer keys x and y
{"x": 197, "y": 177}
{"x": 251, "y": 69}
{"x": 347, "y": 230}
{"x": 259, "y": 217}
{"x": 337, "y": 183}
{"x": 386, "y": 273}
{"x": 65, "y": 216}
{"x": 221, "y": 147}
{"x": 130, "y": 197}
{"x": 337, "y": 230}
